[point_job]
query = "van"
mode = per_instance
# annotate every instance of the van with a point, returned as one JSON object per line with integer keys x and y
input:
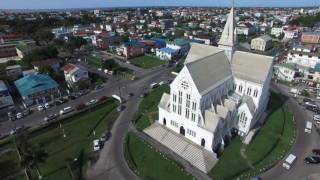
{"x": 316, "y": 118}
{"x": 288, "y": 162}
{"x": 308, "y": 127}
{"x": 65, "y": 110}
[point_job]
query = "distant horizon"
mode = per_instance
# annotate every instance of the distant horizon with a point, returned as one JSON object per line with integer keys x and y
{"x": 27, "y": 5}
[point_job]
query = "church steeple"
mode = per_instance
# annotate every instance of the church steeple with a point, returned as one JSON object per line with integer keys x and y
{"x": 228, "y": 40}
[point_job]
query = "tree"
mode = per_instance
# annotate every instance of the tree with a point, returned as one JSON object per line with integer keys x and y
{"x": 31, "y": 155}
{"x": 44, "y": 35}
{"x": 76, "y": 43}
{"x": 40, "y": 54}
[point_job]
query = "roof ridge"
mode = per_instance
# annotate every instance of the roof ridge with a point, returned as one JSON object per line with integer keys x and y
{"x": 203, "y": 58}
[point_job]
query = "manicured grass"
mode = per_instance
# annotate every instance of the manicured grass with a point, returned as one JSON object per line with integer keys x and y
{"x": 148, "y": 163}
{"x": 9, "y": 164}
{"x": 77, "y": 144}
{"x": 271, "y": 144}
{"x": 149, "y": 107}
{"x": 94, "y": 61}
{"x": 147, "y": 62}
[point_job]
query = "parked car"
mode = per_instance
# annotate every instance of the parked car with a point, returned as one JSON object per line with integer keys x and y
{"x": 289, "y": 161}
{"x": 312, "y": 160}
{"x": 316, "y": 151}
{"x": 50, "y": 117}
{"x": 120, "y": 108}
{"x": 66, "y": 110}
{"x": 17, "y": 129}
{"x": 91, "y": 102}
{"x": 40, "y": 108}
{"x": 103, "y": 98}
{"x": 307, "y": 100}
{"x": 98, "y": 87}
{"x": 47, "y": 105}
{"x": 72, "y": 97}
{"x": 105, "y": 137}
{"x": 96, "y": 145}
{"x": 58, "y": 102}
{"x": 19, "y": 115}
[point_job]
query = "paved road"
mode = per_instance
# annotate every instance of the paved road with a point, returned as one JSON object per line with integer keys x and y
{"x": 112, "y": 87}
{"x": 111, "y": 163}
{"x": 304, "y": 144}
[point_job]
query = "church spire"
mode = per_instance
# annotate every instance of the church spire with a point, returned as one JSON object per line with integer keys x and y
{"x": 228, "y": 38}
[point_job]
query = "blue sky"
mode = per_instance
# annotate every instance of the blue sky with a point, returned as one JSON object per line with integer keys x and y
{"x": 55, "y": 4}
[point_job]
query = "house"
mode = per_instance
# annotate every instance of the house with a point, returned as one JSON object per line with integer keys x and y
{"x": 52, "y": 63}
{"x": 285, "y": 72}
{"x": 304, "y": 56}
{"x": 131, "y": 49}
{"x": 261, "y": 43}
{"x": 181, "y": 45}
{"x": 311, "y": 37}
{"x": 245, "y": 29}
{"x": 166, "y": 23}
{"x": 218, "y": 93}
{"x": 14, "y": 72}
{"x": 37, "y": 88}
{"x": 166, "y": 53}
{"x": 74, "y": 73}
{"x": 276, "y": 31}
{"x": 9, "y": 50}
{"x": 5, "y": 97}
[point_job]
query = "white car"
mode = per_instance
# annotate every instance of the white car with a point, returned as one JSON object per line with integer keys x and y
{"x": 96, "y": 145}
{"x": 19, "y": 115}
{"x": 66, "y": 110}
{"x": 40, "y": 108}
{"x": 46, "y": 105}
{"x": 91, "y": 102}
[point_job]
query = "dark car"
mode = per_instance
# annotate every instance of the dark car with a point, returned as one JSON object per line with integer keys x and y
{"x": 316, "y": 151}
{"x": 307, "y": 100}
{"x": 72, "y": 97}
{"x": 312, "y": 160}
{"x": 130, "y": 94}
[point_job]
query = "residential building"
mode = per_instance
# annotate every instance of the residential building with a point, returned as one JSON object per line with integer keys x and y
{"x": 5, "y": 97}
{"x": 37, "y": 88}
{"x": 166, "y": 53}
{"x": 54, "y": 64}
{"x": 181, "y": 45}
{"x": 303, "y": 56}
{"x": 311, "y": 37}
{"x": 74, "y": 73}
{"x": 285, "y": 72}
{"x": 245, "y": 29}
{"x": 261, "y": 43}
{"x": 219, "y": 91}
{"x": 131, "y": 49}
{"x": 166, "y": 23}
{"x": 14, "y": 72}
{"x": 276, "y": 31}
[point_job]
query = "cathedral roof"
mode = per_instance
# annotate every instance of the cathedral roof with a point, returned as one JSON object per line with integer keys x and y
{"x": 210, "y": 71}
{"x": 251, "y": 67}
{"x": 228, "y": 36}
{"x": 198, "y": 51}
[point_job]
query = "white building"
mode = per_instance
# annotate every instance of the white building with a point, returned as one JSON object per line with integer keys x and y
{"x": 261, "y": 43}
{"x": 285, "y": 72}
{"x": 74, "y": 73}
{"x": 303, "y": 56}
{"x": 166, "y": 53}
{"x": 218, "y": 91}
{"x": 276, "y": 31}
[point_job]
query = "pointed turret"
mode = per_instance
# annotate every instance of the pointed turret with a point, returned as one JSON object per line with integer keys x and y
{"x": 228, "y": 40}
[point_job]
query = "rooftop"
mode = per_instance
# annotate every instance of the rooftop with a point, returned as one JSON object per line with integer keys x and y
{"x": 34, "y": 83}
{"x": 168, "y": 50}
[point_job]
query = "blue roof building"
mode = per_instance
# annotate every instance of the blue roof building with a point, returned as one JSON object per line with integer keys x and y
{"x": 37, "y": 88}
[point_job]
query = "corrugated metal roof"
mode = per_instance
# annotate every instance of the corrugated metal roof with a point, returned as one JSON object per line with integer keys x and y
{"x": 34, "y": 83}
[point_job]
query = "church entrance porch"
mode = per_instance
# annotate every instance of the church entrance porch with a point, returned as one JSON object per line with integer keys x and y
{"x": 182, "y": 147}
{"x": 182, "y": 131}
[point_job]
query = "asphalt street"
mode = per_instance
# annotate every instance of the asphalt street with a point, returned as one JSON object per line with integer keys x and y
{"x": 303, "y": 146}
{"x": 110, "y": 88}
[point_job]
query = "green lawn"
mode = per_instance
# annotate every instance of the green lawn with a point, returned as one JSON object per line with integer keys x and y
{"x": 9, "y": 164}
{"x": 149, "y": 164}
{"x": 147, "y": 62}
{"x": 77, "y": 144}
{"x": 271, "y": 144}
{"x": 149, "y": 107}
{"x": 93, "y": 61}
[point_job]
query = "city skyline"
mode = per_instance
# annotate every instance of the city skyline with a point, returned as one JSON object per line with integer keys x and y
{"x": 64, "y": 4}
